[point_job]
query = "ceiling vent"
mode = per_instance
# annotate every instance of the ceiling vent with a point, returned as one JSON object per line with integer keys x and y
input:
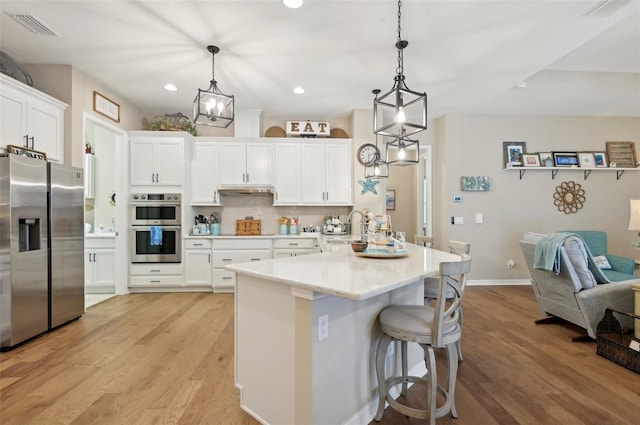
{"x": 35, "y": 25}
{"x": 607, "y": 8}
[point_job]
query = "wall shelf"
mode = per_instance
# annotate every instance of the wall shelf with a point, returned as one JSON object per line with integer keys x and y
{"x": 554, "y": 170}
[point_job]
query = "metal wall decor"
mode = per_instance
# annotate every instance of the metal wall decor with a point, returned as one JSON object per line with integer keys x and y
{"x": 474, "y": 183}
{"x": 569, "y": 197}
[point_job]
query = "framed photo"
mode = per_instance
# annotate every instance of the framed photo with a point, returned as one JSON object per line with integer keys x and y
{"x": 586, "y": 159}
{"x": 21, "y": 150}
{"x": 565, "y": 159}
{"x": 105, "y": 106}
{"x": 390, "y": 199}
{"x": 474, "y": 184}
{"x": 530, "y": 160}
{"x": 600, "y": 160}
{"x": 546, "y": 159}
{"x": 512, "y": 153}
{"x": 623, "y": 154}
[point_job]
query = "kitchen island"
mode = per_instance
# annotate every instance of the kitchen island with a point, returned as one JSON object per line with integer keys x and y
{"x": 306, "y": 329}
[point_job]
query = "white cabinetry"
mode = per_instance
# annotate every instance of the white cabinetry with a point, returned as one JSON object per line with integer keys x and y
{"x": 243, "y": 163}
{"x": 287, "y": 174}
{"x": 204, "y": 173}
{"x": 100, "y": 265}
{"x": 150, "y": 277}
{"x": 30, "y": 117}
{"x": 291, "y": 247}
{"x": 156, "y": 160}
{"x": 236, "y": 250}
{"x": 198, "y": 269}
{"x": 327, "y": 173}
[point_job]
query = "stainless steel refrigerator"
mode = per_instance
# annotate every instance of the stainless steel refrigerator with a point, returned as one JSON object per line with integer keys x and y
{"x": 41, "y": 250}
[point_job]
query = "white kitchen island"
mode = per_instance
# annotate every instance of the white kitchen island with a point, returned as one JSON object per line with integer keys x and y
{"x": 289, "y": 370}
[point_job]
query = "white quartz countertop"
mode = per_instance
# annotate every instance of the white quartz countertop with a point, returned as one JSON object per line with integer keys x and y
{"x": 341, "y": 273}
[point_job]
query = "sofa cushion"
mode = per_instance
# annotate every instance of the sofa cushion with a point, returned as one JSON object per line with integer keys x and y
{"x": 578, "y": 256}
{"x": 602, "y": 262}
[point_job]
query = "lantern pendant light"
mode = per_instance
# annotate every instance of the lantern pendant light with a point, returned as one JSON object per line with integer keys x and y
{"x": 212, "y": 107}
{"x": 400, "y": 112}
{"x": 403, "y": 151}
{"x": 376, "y": 168}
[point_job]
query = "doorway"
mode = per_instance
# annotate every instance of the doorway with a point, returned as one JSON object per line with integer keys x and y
{"x": 424, "y": 195}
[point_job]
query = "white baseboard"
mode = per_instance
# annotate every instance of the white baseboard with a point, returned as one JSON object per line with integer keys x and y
{"x": 503, "y": 282}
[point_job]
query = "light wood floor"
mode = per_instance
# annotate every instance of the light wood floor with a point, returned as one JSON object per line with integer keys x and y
{"x": 168, "y": 359}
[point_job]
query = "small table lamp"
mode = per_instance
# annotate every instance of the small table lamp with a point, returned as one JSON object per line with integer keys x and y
{"x": 634, "y": 217}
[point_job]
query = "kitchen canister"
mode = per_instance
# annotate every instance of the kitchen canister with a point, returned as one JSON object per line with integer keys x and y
{"x": 204, "y": 229}
{"x": 293, "y": 229}
{"x": 283, "y": 229}
{"x": 215, "y": 229}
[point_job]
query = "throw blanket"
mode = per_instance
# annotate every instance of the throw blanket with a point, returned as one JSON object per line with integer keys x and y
{"x": 156, "y": 235}
{"x": 547, "y": 256}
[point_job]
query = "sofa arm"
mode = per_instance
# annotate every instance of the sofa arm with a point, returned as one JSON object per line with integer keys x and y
{"x": 621, "y": 264}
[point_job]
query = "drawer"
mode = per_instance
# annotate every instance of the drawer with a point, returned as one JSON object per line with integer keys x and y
{"x": 241, "y": 243}
{"x": 293, "y": 243}
{"x": 156, "y": 281}
{"x": 93, "y": 243}
{"x": 224, "y": 258}
{"x": 223, "y": 277}
{"x": 156, "y": 269}
{"x": 198, "y": 243}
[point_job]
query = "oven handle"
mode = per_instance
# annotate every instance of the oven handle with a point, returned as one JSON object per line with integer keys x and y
{"x": 147, "y": 227}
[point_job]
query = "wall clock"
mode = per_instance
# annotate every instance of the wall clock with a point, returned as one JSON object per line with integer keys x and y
{"x": 366, "y": 153}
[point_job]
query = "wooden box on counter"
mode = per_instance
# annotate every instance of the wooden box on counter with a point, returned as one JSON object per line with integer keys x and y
{"x": 248, "y": 227}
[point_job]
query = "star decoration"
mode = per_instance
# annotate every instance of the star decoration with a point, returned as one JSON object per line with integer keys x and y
{"x": 369, "y": 185}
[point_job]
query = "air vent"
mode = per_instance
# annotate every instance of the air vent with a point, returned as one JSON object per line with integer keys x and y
{"x": 35, "y": 25}
{"x": 607, "y": 8}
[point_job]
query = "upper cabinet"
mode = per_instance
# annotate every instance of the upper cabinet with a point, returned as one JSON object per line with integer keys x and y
{"x": 286, "y": 172}
{"x": 204, "y": 173}
{"x": 31, "y": 119}
{"x": 243, "y": 163}
{"x": 326, "y": 174}
{"x": 156, "y": 160}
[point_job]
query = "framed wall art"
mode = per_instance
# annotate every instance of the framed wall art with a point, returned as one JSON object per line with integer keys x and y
{"x": 105, "y": 106}
{"x": 623, "y": 154}
{"x": 546, "y": 159}
{"x": 21, "y": 150}
{"x": 512, "y": 153}
{"x": 474, "y": 183}
{"x": 600, "y": 159}
{"x": 530, "y": 160}
{"x": 565, "y": 159}
{"x": 390, "y": 199}
{"x": 586, "y": 159}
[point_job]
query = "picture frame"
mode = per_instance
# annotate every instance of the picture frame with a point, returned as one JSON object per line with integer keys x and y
{"x": 586, "y": 160}
{"x": 565, "y": 159}
{"x": 623, "y": 154}
{"x": 21, "y": 150}
{"x": 546, "y": 159}
{"x": 475, "y": 184}
{"x": 390, "y": 199}
{"x": 106, "y": 107}
{"x": 530, "y": 160}
{"x": 512, "y": 153}
{"x": 600, "y": 160}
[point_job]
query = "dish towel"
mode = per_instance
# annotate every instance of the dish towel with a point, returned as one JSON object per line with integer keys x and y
{"x": 156, "y": 235}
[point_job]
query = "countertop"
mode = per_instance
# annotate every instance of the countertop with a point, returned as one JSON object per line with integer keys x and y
{"x": 341, "y": 273}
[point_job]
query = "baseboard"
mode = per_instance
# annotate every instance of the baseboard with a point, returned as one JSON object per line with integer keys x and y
{"x": 502, "y": 282}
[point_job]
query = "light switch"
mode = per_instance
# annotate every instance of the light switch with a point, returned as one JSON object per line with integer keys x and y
{"x": 457, "y": 220}
{"x": 479, "y": 218}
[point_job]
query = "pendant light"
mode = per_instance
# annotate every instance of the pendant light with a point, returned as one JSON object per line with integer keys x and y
{"x": 394, "y": 110}
{"x": 212, "y": 107}
{"x": 376, "y": 168}
{"x": 403, "y": 151}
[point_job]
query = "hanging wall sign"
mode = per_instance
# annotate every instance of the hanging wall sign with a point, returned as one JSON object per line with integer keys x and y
{"x": 308, "y": 129}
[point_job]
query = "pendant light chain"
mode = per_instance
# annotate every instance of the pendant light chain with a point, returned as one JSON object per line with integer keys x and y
{"x": 213, "y": 67}
{"x": 400, "y": 68}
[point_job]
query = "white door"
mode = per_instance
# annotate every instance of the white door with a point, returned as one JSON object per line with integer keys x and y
{"x": 287, "y": 174}
{"x": 204, "y": 173}
{"x": 338, "y": 175}
{"x": 45, "y": 124}
{"x": 104, "y": 265}
{"x": 258, "y": 161}
{"x": 13, "y": 121}
{"x": 313, "y": 174}
{"x": 142, "y": 167}
{"x": 233, "y": 163}
{"x": 198, "y": 268}
{"x": 169, "y": 160}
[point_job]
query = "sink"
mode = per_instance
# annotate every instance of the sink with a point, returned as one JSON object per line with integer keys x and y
{"x": 342, "y": 241}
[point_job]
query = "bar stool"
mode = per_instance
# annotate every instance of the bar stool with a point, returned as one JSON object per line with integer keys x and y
{"x": 426, "y": 241}
{"x": 431, "y": 327}
{"x": 431, "y": 283}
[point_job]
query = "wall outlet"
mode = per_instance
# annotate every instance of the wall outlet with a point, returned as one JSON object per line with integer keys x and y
{"x": 479, "y": 218}
{"x": 457, "y": 220}
{"x": 323, "y": 327}
{"x": 510, "y": 264}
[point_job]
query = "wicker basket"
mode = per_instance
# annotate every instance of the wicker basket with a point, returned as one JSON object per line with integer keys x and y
{"x": 613, "y": 344}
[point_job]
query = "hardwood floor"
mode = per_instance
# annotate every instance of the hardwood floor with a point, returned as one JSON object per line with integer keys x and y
{"x": 168, "y": 359}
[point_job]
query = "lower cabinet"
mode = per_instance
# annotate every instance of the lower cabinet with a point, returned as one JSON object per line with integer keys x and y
{"x": 146, "y": 277}
{"x": 291, "y": 247}
{"x": 197, "y": 262}
{"x": 235, "y": 250}
{"x": 100, "y": 265}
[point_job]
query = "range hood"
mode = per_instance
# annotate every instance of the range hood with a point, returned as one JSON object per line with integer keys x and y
{"x": 245, "y": 190}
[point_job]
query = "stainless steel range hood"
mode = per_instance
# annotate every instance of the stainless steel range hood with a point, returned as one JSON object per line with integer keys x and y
{"x": 245, "y": 190}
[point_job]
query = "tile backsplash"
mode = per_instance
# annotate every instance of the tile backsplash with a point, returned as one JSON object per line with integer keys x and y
{"x": 261, "y": 208}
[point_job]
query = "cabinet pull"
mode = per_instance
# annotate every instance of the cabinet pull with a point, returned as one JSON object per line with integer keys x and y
{"x": 197, "y": 244}
{"x": 226, "y": 259}
{"x": 255, "y": 259}
{"x": 153, "y": 178}
{"x": 26, "y": 141}
{"x": 154, "y": 281}
{"x": 89, "y": 257}
{"x": 94, "y": 257}
{"x": 227, "y": 278}
{"x": 32, "y": 143}
{"x": 293, "y": 244}
{"x": 209, "y": 258}
{"x": 157, "y": 178}
{"x": 154, "y": 270}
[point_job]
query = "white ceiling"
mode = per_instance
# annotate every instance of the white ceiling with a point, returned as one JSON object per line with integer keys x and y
{"x": 468, "y": 56}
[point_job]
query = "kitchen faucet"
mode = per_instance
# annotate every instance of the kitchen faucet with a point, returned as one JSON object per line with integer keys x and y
{"x": 363, "y": 223}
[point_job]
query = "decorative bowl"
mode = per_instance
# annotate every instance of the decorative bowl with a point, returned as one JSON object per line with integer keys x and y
{"x": 359, "y": 246}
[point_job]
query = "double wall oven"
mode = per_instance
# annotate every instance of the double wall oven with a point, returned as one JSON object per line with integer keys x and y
{"x": 156, "y": 230}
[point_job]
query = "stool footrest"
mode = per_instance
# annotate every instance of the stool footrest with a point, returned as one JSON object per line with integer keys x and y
{"x": 412, "y": 411}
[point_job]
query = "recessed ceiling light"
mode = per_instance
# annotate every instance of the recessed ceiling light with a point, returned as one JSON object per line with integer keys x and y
{"x": 298, "y": 90}
{"x": 292, "y": 4}
{"x": 170, "y": 87}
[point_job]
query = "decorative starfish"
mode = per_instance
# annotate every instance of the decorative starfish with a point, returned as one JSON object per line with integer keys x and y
{"x": 369, "y": 185}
